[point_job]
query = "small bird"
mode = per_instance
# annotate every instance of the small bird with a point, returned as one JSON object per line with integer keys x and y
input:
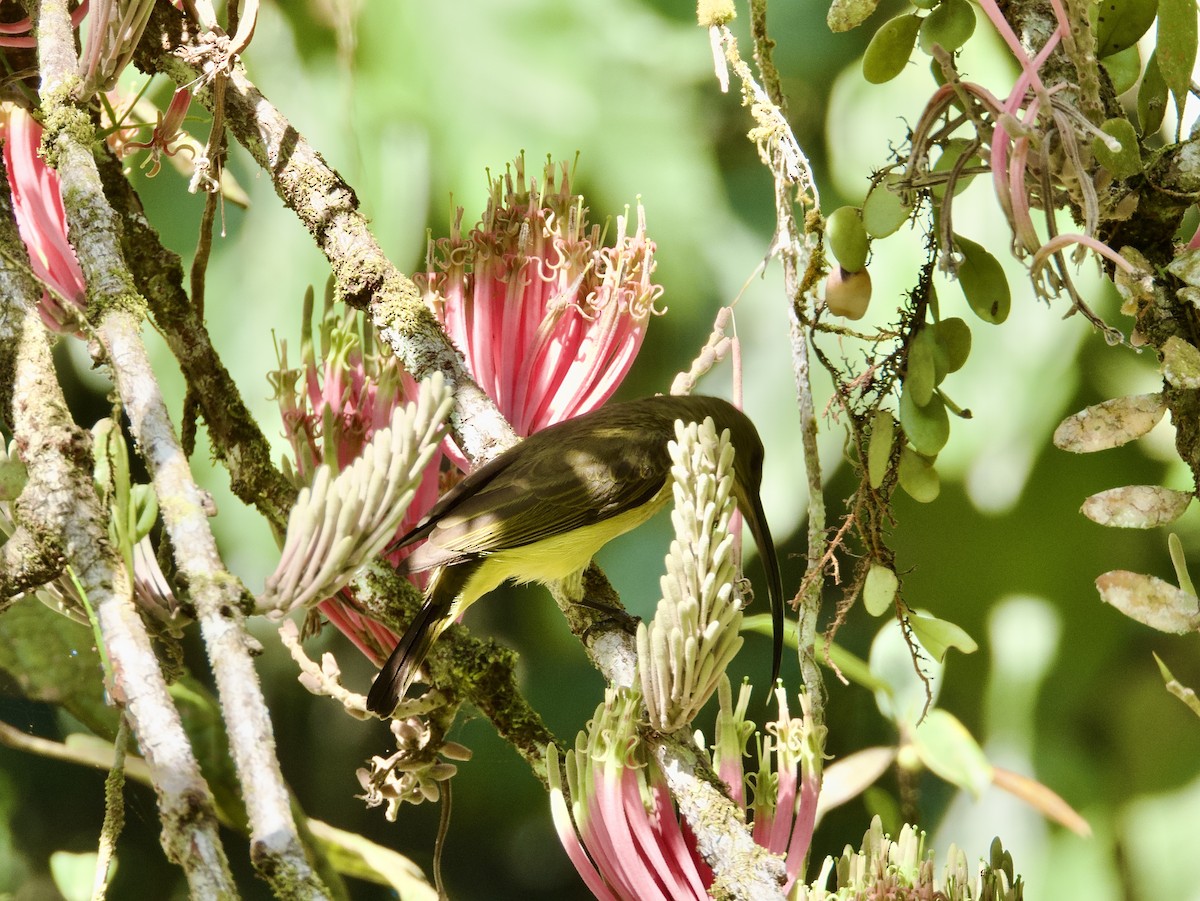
{"x": 539, "y": 511}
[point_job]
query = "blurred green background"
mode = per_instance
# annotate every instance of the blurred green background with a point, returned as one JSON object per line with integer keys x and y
{"x": 412, "y": 103}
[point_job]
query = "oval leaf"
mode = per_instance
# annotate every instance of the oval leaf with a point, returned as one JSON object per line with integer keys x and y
{"x": 917, "y": 476}
{"x": 1119, "y": 23}
{"x": 1150, "y": 601}
{"x": 920, "y": 377}
{"x": 927, "y": 426}
{"x": 983, "y": 282}
{"x": 1136, "y": 506}
{"x": 949, "y": 750}
{"x": 952, "y": 345}
{"x": 884, "y": 210}
{"x": 1180, "y": 363}
{"x": 890, "y": 47}
{"x": 938, "y": 635}
{"x": 1125, "y": 161}
{"x": 879, "y": 448}
{"x": 879, "y": 590}
{"x": 1110, "y": 424}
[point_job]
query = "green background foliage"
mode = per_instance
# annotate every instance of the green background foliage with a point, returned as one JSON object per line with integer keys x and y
{"x": 412, "y": 103}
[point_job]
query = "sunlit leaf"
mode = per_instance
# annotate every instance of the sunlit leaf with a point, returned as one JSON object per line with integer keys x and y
{"x": 1110, "y": 424}
{"x": 879, "y": 590}
{"x": 1150, "y": 601}
{"x": 938, "y": 635}
{"x": 847, "y": 778}
{"x": 1136, "y": 506}
{"x": 1041, "y": 799}
{"x": 73, "y": 874}
{"x": 949, "y": 750}
{"x": 909, "y": 693}
{"x": 356, "y": 855}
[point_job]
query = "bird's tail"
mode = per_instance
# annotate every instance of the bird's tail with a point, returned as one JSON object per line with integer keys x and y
{"x": 400, "y": 670}
{"x": 442, "y": 604}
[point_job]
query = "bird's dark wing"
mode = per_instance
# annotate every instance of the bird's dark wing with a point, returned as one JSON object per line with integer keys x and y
{"x": 566, "y": 476}
{"x": 556, "y": 490}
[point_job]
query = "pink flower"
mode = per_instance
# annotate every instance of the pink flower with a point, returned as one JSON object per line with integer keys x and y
{"x": 621, "y": 830}
{"x": 330, "y": 410}
{"x": 37, "y": 204}
{"x": 548, "y": 318}
{"x": 168, "y": 131}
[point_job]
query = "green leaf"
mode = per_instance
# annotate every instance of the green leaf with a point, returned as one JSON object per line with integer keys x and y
{"x": 950, "y": 751}
{"x": 73, "y": 873}
{"x": 1176, "y": 48}
{"x": 952, "y": 345}
{"x": 950, "y": 155}
{"x": 927, "y": 426}
{"x": 1152, "y": 97}
{"x": 12, "y": 478}
{"x": 847, "y": 238}
{"x": 356, "y": 855}
{"x": 885, "y": 210}
{"x": 1123, "y": 67}
{"x": 917, "y": 476}
{"x": 938, "y": 635}
{"x": 950, "y": 25}
{"x": 909, "y": 692}
{"x": 879, "y": 447}
{"x": 983, "y": 281}
{"x": 1126, "y": 161}
{"x": 920, "y": 376}
{"x": 879, "y": 590}
{"x": 854, "y": 668}
{"x": 890, "y": 47}
{"x": 1119, "y": 23}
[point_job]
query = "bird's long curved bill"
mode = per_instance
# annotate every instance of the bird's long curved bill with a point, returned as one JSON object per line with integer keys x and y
{"x": 757, "y": 519}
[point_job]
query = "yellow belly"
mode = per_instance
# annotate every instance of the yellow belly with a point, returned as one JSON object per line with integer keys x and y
{"x": 556, "y": 557}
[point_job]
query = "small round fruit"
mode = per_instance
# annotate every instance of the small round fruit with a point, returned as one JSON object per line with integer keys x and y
{"x": 848, "y": 293}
